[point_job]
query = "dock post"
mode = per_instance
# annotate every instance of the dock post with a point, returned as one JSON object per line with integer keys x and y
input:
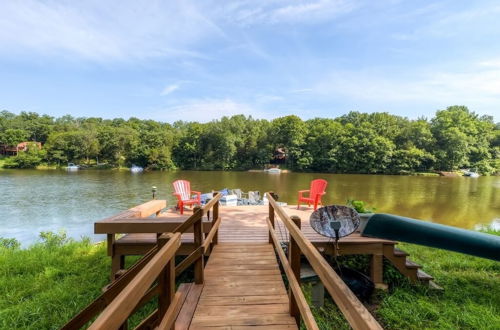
{"x": 271, "y": 216}
{"x": 166, "y": 280}
{"x": 198, "y": 241}
{"x": 215, "y": 240}
{"x": 294, "y": 259}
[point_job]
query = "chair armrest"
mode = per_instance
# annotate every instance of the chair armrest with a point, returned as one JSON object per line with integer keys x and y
{"x": 318, "y": 196}
{"x": 198, "y": 194}
{"x": 302, "y": 192}
{"x": 178, "y": 196}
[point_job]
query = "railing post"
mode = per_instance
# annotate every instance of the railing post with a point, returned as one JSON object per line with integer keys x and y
{"x": 198, "y": 241}
{"x": 271, "y": 215}
{"x": 166, "y": 281}
{"x": 215, "y": 217}
{"x": 294, "y": 259}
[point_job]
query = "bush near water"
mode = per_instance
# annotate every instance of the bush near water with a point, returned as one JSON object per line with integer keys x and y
{"x": 353, "y": 143}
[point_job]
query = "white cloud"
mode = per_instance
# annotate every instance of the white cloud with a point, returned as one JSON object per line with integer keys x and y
{"x": 205, "y": 110}
{"x": 248, "y": 12}
{"x": 110, "y": 30}
{"x": 169, "y": 89}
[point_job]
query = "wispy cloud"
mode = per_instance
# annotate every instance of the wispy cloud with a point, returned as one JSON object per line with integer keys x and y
{"x": 248, "y": 12}
{"x": 205, "y": 110}
{"x": 169, "y": 89}
{"x": 102, "y": 31}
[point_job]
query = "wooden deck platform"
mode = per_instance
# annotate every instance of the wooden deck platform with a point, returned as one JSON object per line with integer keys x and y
{"x": 246, "y": 224}
{"x": 243, "y": 289}
{"x": 241, "y": 286}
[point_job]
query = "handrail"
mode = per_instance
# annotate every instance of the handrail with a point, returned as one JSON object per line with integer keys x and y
{"x": 111, "y": 292}
{"x": 294, "y": 285}
{"x": 112, "y": 297}
{"x": 117, "y": 312}
{"x": 354, "y": 311}
{"x": 201, "y": 245}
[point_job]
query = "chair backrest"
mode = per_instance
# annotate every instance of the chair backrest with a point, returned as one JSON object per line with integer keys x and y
{"x": 318, "y": 186}
{"x": 182, "y": 187}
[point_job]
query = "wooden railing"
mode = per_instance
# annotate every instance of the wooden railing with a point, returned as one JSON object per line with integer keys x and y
{"x": 354, "y": 311}
{"x": 135, "y": 287}
{"x": 162, "y": 268}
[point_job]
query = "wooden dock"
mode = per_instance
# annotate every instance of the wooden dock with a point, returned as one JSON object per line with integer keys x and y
{"x": 241, "y": 286}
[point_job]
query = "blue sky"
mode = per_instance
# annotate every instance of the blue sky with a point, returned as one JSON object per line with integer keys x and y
{"x": 200, "y": 60}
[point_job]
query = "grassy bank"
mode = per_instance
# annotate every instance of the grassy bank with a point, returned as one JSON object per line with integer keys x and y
{"x": 45, "y": 285}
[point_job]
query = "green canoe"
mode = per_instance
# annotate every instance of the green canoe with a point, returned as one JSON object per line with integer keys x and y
{"x": 397, "y": 228}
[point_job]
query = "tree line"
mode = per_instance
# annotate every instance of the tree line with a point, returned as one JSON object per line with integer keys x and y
{"x": 353, "y": 143}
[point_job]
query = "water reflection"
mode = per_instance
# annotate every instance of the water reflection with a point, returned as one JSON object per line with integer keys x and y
{"x": 34, "y": 201}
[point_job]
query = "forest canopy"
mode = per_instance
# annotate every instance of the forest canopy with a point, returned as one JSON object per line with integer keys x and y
{"x": 353, "y": 143}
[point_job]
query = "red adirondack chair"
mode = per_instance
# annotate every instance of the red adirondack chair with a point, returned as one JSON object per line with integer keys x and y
{"x": 317, "y": 190}
{"x": 184, "y": 194}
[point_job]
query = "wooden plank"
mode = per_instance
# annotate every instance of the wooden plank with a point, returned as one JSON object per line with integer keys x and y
{"x": 244, "y": 300}
{"x": 149, "y": 208}
{"x": 243, "y": 267}
{"x": 249, "y": 320}
{"x": 231, "y": 310}
{"x": 234, "y": 262}
{"x": 242, "y": 291}
{"x": 233, "y": 287}
{"x": 242, "y": 272}
{"x": 354, "y": 311}
{"x": 236, "y": 255}
{"x": 251, "y": 327}
{"x": 248, "y": 278}
{"x": 188, "y": 308}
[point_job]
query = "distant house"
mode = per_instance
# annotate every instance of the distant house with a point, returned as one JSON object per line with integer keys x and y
{"x": 14, "y": 150}
{"x": 279, "y": 156}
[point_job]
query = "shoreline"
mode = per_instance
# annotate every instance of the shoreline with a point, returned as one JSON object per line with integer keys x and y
{"x": 285, "y": 171}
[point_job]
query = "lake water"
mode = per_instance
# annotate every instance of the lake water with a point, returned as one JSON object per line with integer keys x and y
{"x": 34, "y": 201}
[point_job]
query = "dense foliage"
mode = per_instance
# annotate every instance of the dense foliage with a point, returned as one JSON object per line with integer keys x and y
{"x": 353, "y": 143}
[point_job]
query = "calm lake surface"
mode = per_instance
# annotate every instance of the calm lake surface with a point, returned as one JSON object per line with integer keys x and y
{"x": 33, "y": 201}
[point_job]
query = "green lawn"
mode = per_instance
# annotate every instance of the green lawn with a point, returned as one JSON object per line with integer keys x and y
{"x": 45, "y": 285}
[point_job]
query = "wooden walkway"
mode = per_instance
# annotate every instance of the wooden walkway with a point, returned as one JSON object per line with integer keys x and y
{"x": 241, "y": 286}
{"x": 243, "y": 289}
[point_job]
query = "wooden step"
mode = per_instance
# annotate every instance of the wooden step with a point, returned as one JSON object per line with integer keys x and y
{"x": 183, "y": 320}
{"x": 400, "y": 253}
{"x": 411, "y": 264}
{"x": 408, "y": 268}
{"x": 423, "y": 276}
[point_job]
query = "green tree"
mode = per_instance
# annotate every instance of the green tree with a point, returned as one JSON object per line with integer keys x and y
{"x": 13, "y": 136}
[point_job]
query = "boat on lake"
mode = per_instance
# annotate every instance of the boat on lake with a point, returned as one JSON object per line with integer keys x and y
{"x": 273, "y": 170}
{"x": 72, "y": 167}
{"x": 471, "y": 174}
{"x": 136, "y": 169}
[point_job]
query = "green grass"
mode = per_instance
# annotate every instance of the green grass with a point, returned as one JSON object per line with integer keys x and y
{"x": 43, "y": 286}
